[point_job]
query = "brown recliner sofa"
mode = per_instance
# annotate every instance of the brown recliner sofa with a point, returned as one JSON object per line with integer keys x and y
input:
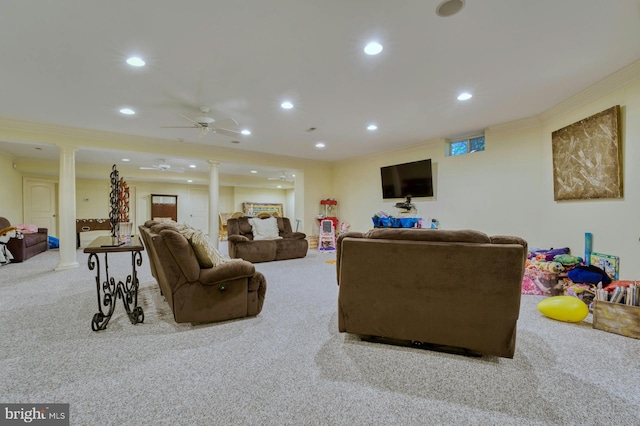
{"x": 195, "y": 294}
{"x": 242, "y": 245}
{"x": 455, "y": 288}
{"x": 29, "y": 245}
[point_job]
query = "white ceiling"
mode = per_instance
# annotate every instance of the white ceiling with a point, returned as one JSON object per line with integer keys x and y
{"x": 63, "y": 63}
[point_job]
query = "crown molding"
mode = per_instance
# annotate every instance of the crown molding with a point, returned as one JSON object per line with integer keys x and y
{"x": 603, "y": 87}
{"x": 511, "y": 126}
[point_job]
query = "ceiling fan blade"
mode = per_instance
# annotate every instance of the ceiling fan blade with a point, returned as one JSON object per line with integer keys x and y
{"x": 180, "y": 170}
{"x": 180, "y": 127}
{"x": 227, "y": 132}
{"x": 191, "y": 120}
{"x": 225, "y": 122}
{"x": 148, "y": 168}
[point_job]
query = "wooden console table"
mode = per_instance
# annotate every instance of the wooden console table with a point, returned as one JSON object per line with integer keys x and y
{"x": 109, "y": 290}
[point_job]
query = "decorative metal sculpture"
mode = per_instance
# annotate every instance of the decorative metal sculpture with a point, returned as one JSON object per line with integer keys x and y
{"x": 123, "y": 201}
{"x": 114, "y": 214}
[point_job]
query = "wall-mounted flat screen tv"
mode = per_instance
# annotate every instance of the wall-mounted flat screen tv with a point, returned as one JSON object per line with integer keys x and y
{"x": 407, "y": 179}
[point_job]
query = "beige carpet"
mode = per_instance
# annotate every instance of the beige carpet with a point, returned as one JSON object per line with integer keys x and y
{"x": 289, "y": 365}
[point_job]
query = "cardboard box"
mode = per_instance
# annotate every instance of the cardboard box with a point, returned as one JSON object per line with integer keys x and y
{"x": 617, "y": 318}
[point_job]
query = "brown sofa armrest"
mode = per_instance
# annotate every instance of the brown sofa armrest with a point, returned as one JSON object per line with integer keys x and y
{"x": 226, "y": 272}
{"x": 353, "y": 234}
{"x": 237, "y": 238}
{"x": 297, "y": 236}
{"x": 43, "y": 230}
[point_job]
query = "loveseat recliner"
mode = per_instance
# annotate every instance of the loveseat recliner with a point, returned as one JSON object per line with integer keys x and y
{"x": 456, "y": 288}
{"x": 198, "y": 294}
{"x": 243, "y": 245}
{"x": 29, "y": 245}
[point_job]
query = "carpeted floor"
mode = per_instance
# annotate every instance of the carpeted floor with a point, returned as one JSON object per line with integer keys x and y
{"x": 289, "y": 365}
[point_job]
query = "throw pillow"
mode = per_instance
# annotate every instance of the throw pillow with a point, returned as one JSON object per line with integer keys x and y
{"x": 206, "y": 252}
{"x": 265, "y": 229}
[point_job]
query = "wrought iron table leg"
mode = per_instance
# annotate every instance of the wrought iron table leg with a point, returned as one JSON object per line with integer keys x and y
{"x": 108, "y": 291}
{"x": 128, "y": 291}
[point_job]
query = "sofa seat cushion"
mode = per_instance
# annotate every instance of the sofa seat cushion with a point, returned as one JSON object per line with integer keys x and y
{"x": 291, "y": 248}
{"x": 257, "y": 251}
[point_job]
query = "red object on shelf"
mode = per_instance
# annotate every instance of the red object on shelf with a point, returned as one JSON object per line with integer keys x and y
{"x": 329, "y": 202}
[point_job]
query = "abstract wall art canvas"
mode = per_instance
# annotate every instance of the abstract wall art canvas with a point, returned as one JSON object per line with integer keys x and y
{"x": 587, "y": 158}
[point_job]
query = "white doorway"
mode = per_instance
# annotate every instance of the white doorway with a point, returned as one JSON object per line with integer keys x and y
{"x": 39, "y": 204}
{"x": 199, "y": 209}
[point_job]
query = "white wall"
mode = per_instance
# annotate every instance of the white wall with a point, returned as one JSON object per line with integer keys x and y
{"x": 10, "y": 190}
{"x": 508, "y": 188}
{"x": 613, "y": 222}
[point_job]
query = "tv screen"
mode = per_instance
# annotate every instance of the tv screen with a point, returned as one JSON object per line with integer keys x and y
{"x": 407, "y": 179}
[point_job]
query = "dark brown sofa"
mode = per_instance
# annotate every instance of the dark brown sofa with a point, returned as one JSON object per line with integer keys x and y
{"x": 457, "y": 288}
{"x": 27, "y": 246}
{"x": 242, "y": 245}
{"x": 195, "y": 294}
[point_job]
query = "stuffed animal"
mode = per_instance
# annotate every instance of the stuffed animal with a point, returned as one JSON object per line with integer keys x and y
{"x": 567, "y": 259}
{"x": 5, "y": 235}
{"x": 554, "y": 267}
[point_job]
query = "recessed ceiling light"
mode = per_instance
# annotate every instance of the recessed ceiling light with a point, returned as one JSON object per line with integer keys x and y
{"x": 286, "y": 105}
{"x": 127, "y": 111}
{"x": 189, "y": 180}
{"x": 192, "y": 166}
{"x": 135, "y": 61}
{"x": 320, "y": 145}
{"x": 125, "y": 159}
{"x": 254, "y": 171}
{"x": 246, "y": 132}
{"x": 449, "y": 7}
{"x": 372, "y": 127}
{"x": 373, "y": 48}
{"x": 464, "y": 96}
{"x": 279, "y": 186}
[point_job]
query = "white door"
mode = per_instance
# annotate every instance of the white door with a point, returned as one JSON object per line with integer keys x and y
{"x": 199, "y": 209}
{"x": 39, "y": 203}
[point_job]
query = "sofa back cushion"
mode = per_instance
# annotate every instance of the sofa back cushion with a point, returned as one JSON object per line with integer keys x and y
{"x": 176, "y": 256}
{"x": 242, "y": 226}
{"x": 435, "y": 235}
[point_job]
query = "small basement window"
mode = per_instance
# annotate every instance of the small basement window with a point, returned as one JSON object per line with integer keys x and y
{"x": 466, "y": 146}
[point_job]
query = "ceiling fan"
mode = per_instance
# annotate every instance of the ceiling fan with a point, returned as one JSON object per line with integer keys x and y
{"x": 207, "y": 124}
{"x": 283, "y": 177}
{"x": 164, "y": 167}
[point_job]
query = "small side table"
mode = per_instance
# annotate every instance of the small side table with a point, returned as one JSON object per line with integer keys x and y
{"x": 109, "y": 290}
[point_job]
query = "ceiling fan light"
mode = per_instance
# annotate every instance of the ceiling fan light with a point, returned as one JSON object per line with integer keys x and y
{"x": 286, "y": 105}
{"x": 246, "y": 132}
{"x": 127, "y": 111}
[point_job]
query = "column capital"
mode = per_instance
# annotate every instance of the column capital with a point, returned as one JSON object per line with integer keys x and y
{"x": 214, "y": 163}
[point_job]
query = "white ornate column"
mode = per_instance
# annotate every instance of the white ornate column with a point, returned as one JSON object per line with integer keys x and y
{"x": 67, "y": 209}
{"x": 214, "y": 194}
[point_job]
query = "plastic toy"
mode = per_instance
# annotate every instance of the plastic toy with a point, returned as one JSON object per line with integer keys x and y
{"x": 564, "y": 308}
